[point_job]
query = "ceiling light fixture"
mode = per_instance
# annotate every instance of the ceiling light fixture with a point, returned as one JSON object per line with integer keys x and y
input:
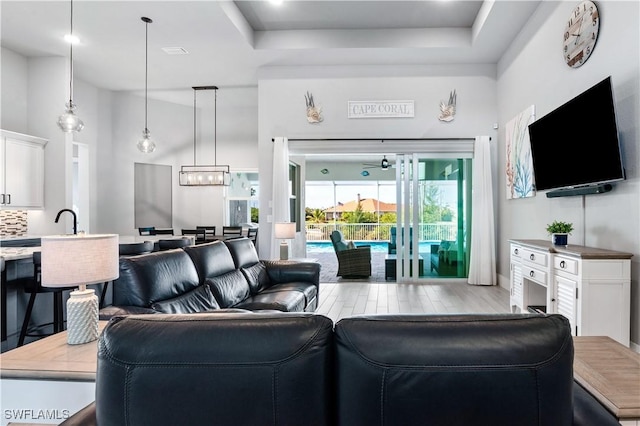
{"x": 384, "y": 164}
{"x": 146, "y": 144}
{"x": 69, "y": 121}
{"x": 195, "y": 175}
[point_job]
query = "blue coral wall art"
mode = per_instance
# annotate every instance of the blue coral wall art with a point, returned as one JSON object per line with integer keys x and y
{"x": 519, "y": 167}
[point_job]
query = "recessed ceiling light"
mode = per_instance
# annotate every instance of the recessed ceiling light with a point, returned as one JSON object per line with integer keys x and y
{"x": 71, "y": 38}
{"x": 175, "y": 51}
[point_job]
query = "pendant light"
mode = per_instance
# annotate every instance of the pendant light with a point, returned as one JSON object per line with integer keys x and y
{"x": 69, "y": 121}
{"x": 195, "y": 175}
{"x": 146, "y": 144}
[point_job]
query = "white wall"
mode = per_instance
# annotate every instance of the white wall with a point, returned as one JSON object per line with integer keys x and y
{"x": 13, "y": 111}
{"x": 34, "y": 92}
{"x": 533, "y": 72}
{"x": 282, "y": 112}
{"x": 171, "y": 126}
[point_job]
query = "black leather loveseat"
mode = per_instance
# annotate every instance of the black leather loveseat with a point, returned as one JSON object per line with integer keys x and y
{"x": 247, "y": 368}
{"x": 212, "y": 276}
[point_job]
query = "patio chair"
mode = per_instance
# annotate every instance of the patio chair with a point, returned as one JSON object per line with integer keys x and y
{"x": 392, "y": 247}
{"x": 353, "y": 261}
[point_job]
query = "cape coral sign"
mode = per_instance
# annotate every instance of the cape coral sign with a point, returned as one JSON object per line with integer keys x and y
{"x": 380, "y": 109}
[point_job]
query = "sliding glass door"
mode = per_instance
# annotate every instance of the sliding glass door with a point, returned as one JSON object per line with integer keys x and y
{"x": 433, "y": 216}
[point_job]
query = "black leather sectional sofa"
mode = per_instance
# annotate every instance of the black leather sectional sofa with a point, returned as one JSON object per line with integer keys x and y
{"x": 243, "y": 368}
{"x": 212, "y": 276}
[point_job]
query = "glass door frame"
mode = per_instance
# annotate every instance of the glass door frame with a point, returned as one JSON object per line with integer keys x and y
{"x": 409, "y": 214}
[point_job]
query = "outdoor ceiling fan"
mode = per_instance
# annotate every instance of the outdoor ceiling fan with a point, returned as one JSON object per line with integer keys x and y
{"x": 384, "y": 164}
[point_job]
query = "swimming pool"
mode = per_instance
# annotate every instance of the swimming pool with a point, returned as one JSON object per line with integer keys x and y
{"x": 376, "y": 246}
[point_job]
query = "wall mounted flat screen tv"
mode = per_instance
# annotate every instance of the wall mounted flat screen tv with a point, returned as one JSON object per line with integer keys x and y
{"x": 577, "y": 145}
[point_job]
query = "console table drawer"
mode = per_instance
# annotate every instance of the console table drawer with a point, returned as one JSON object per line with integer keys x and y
{"x": 537, "y": 257}
{"x": 566, "y": 265}
{"x": 534, "y": 275}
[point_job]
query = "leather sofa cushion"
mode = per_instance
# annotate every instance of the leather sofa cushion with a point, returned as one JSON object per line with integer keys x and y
{"x": 466, "y": 369}
{"x": 211, "y": 259}
{"x": 243, "y": 252}
{"x": 229, "y": 289}
{"x": 257, "y": 277}
{"x": 199, "y": 300}
{"x": 172, "y": 273}
{"x": 286, "y": 301}
{"x": 309, "y": 291}
{"x": 215, "y": 368}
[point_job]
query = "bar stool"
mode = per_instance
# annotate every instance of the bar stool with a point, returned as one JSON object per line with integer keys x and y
{"x": 126, "y": 250}
{"x": 174, "y": 243}
{"x": 33, "y": 286}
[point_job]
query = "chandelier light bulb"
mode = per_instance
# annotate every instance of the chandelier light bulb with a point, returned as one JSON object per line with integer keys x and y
{"x": 69, "y": 121}
{"x": 146, "y": 144}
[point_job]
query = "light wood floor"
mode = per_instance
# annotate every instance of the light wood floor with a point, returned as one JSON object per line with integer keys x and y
{"x": 339, "y": 300}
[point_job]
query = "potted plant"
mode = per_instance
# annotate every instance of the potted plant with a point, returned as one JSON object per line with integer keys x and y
{"x": 559, "y": 232}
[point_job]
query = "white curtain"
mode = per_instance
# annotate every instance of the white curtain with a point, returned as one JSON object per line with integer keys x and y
{"x": 280, "y": 194}
{"x": 482, "y": 262}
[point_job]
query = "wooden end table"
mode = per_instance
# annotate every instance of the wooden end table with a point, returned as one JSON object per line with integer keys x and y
{"x": 611, "y": 373}
{"x": 48, "y": 380}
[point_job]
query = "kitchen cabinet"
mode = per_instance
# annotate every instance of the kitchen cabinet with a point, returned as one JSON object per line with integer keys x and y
{"x": 22, "y": 171}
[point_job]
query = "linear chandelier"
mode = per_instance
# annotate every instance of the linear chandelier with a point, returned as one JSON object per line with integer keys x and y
{"x": 205, "y": 175}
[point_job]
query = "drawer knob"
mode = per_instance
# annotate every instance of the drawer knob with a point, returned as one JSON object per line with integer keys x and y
{"x": 514, "y": 252}
{"x": 532, "y": 256}
{"x": 563, "y": 264}
{"x": 531, "y": 273}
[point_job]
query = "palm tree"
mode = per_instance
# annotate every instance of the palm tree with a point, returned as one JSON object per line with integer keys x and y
{"x": 316, "y": 216}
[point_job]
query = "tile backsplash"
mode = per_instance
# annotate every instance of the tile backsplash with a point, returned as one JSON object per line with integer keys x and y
{"x": 13, "y": 223}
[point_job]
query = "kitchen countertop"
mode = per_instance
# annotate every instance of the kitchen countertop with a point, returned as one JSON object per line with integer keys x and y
{"x": 17, "y": 253}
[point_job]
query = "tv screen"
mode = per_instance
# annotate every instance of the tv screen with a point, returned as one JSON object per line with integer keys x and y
{"x": 577, "y": 144}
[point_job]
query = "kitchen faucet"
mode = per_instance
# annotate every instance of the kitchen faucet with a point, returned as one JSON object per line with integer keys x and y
{"x": 75, "y": 219}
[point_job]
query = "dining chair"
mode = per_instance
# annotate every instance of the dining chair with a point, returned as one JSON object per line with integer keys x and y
{"x": 174, "y": 243}
{"x": 209, "y": 231}
{"x": 232, "y": 231}
{"x": 33, "y": 286}
{"x": 252, "y": 234}
{"x": 164, "y": 231}
{"x": 147, "y": 230}
{"x": 200, "y": 234}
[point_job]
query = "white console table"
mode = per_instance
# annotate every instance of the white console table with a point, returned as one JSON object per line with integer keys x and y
{"x": 589, "y": 286}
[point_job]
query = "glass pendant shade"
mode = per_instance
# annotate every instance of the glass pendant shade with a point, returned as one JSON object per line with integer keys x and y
{"x": 146, "y": 144}
{"x": 69, "y": 121}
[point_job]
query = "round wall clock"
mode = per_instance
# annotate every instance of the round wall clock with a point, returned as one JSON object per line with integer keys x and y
{"x": 580, "y": 34}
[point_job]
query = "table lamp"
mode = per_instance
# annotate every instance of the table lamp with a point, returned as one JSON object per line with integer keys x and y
{"x": 70, "y": 260}
{"x": 285, "y": 231}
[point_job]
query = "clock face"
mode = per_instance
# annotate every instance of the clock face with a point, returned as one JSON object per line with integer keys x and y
{"x": 580, "y": 34}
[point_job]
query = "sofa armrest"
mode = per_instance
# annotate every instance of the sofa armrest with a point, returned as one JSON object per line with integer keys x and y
{"x": 285, "y": 272}
{"x": 588, "y": 411}
{"x": 113, "y": 311}
{"x": 84, "y": 417}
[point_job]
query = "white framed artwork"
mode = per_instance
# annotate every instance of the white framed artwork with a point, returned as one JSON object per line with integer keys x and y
{"x": 519, "y": 164}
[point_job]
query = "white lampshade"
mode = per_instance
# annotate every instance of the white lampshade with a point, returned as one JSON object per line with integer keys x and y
{"x": 77, "y": 260}
{"x": 285, "y": 230}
